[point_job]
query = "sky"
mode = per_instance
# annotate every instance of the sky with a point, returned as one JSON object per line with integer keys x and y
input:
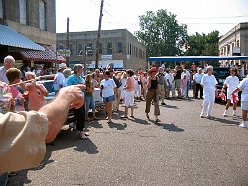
{"x": 202, "y": 16}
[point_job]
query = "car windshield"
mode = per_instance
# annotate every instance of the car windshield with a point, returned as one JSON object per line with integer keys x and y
{"x": 221, "y": 73}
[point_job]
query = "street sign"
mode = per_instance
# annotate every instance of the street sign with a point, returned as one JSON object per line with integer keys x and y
{"x": 107, "y": 57}
{"x": 64, "y": 53}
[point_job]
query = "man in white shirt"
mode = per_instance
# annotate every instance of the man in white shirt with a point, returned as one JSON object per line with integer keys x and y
{"x": 59, "y": 80}
{"x": 197, "y": 78}
{"x": 9, "y": 62}
{"x": 169, "y": 81}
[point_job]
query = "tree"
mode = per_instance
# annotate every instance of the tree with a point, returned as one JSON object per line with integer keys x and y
{"x": 204, "y": 45}
{"x": 161, "y": 33}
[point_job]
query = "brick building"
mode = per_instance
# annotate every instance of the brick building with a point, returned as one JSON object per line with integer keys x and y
{"x": 34, "y": 20}
{"x": 117, "y": 47}
{"x": 234, "y": 42}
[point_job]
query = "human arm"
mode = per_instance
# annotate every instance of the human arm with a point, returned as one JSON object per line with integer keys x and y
{"x": 57, "y": 110}
{"x": 42, "y": 89}
{"x": 148, "y": 82}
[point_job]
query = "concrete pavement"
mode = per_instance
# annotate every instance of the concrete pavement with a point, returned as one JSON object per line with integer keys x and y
{"x": 182, "y": 150}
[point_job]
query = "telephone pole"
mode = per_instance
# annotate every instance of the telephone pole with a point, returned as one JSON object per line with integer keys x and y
{"x": 98, "y": 35}
{"x": 68, "y": 39}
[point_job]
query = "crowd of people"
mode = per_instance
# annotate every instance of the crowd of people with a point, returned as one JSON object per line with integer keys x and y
{"x": 24, "y": 93}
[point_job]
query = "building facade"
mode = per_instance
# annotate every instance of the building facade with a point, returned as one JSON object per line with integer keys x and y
{"x": 34, "y": 19}
{"x": 234, "y": 42}
{"x": 118, "y": 48}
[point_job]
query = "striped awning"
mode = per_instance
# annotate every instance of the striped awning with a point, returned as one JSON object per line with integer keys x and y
{"x": 10, "y": 37}
{"x": 49, "y": 55}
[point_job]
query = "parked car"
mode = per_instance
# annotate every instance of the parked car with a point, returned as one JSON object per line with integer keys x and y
{"x": 221, "y": 73}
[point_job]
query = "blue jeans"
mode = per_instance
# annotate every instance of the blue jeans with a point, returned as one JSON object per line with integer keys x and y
{"x": 3, "y": 178}
{"x": 89, "y": 103}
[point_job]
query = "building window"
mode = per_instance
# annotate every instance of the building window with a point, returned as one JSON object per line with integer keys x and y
{"x": 71, "y": 49}
{"x": 89, "y": 49}
{"x": 130, "y": 49}
{"x": 119, "y": 47}
{"x": 1, "y": 8}
{"x": 237, "y": 43}
{"x": 23, "y": 11}
{"x": 100, "y": 48}
{"x": 80, "y": 49}
{"x": 109, "y": 48}
{"x": 42, "y": 15}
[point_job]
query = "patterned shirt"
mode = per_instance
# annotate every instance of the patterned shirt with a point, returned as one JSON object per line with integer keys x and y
{"x": 5, "y": 97}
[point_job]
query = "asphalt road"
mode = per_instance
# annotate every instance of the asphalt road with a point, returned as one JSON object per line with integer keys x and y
{"x": 182, "y": 150}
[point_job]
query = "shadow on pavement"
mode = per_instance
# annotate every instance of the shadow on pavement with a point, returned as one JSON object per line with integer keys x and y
{"x": 140, "y": 121}
{"x": 225, "y": 121}
{"x": 86, "y": 146}
{"x": 170, "y": 106}
{"x": 118, "y": 126}
{"x": 170, "y": 127}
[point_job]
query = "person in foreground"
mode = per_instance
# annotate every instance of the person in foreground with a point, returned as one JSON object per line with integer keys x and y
{"x": 23, "y": 135}
{"x": 208, "y": 82}
{"x": 243, "y": 86}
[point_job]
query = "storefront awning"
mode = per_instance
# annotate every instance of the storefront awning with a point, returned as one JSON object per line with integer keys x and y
{"x": 10, "y": 37}
{"x": 49, "y": 55}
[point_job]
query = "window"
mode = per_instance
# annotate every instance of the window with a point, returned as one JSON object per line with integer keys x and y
{"x": 130, "y": 49}
{"x": 237, "y": 43}
{"x": 80, "y": 49}
{"x": 23, "y": 11}
{"x": 109, "y": 47}
{"x": 100, "y": 48}
{"x": 42, "y": 15}
{"x": 1, "y": 8}
{"x": 89, "y": 49}
{"x": 71, "y": 49}
{"x": 228, "y": 49}
{"x": 119, "y": 47}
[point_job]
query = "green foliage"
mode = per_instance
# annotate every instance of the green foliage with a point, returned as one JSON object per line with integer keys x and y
{"x": 161, "y": 33}
{"x": 204, "y": 45}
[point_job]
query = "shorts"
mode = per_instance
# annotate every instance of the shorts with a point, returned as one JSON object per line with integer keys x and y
{"x": 129, "y": 99}
{"x": 107, "y": 99}
{"x": 178, "y": 83}
{"x": 244, "y": 105}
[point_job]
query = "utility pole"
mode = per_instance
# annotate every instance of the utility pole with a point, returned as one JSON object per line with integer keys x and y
{"x": 98, "y": 35}
{"x": 68, "y": 39}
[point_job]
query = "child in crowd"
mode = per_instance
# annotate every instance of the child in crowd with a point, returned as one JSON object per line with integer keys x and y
{"x": 13, "y": 75}
{"x": 36, "y": 92}
{"x": 184, "y": 85}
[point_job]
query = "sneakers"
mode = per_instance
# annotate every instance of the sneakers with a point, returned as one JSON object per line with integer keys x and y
{"x": 243, "y": 125}
{"x": 225, "y": 113}
{"x": 234, "y": 113}
{"x": 201, "y": 115}
{"x": 209, "y": 116}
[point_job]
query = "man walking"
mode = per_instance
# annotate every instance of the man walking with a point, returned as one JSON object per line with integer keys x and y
{"x": 197, "y": 78}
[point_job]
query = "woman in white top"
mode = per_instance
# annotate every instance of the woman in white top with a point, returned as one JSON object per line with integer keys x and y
{"x": 109, "y": 93}
{"x": 243, "y": 86}
{"x": 208, "y": 82}
{"x": 231, "y": 83}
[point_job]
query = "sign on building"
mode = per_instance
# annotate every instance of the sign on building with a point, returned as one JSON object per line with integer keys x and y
{"x": 107, "y": 57}
{"x": 236, "y": 50}
{"x": 64, "y": 53}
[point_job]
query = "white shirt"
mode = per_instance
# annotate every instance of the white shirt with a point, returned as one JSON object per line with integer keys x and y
{"x": 168, "y": 77}
{"x": 108, "y": 87}
{"x": 3, "y": 77}
{"x": 198, "y": 77}
{"x": 208, "y": 82}
{"x": 59, "y": 80}
{"x": 243, "y": 86}
{"x": 187, "y": 74}
{"x": 232, "y": 83}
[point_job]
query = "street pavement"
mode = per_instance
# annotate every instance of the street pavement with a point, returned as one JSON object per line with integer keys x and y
{"x": 183, "y": 149}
